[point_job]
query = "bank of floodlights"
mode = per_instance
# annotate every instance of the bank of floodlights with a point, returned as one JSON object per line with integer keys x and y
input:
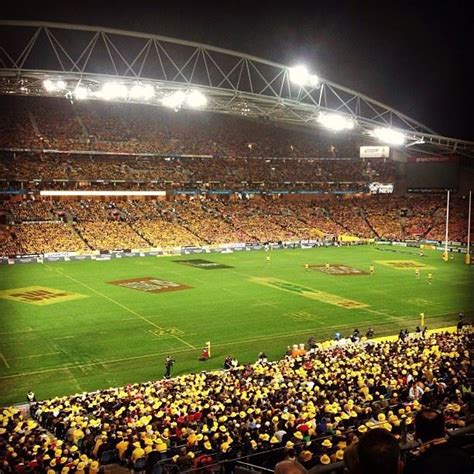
{"x": 196, "y": 99}
{"x": 389, "y": 136}
{"x": 54, "y": 86}
{"x": 113, "y": 90}
{"x": 177, "y": 99}
{"x": 335, "y": 122}
{"x": 80, "y": 92}
{"x": 142, "y": 91}
{"x": 300, "y": 76}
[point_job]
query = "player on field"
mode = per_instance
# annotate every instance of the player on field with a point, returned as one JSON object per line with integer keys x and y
{"x": 372, "y": 270}
{"x": 269, "y": 258}
{"x": 306, "y": 266}
{"x": 327, "y": 266}
{"x": 417, "y": 273}
{"x": 430, "y": 278}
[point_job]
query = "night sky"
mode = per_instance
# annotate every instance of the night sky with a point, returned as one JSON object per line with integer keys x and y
{"x": 414, "y": 56}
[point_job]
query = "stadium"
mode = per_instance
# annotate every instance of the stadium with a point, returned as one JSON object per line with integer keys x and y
{"x": 214, "y": 262}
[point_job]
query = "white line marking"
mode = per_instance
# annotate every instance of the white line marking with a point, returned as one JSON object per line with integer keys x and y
{"x": 5, "y": 360}
{"x": 37, "y": 355}
{"x": 176, "y": 351}
{"x": 17, "y": 332}
{"x": 126, "y": 308}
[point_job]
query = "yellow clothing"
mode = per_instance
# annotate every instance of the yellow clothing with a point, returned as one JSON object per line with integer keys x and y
{"x": 137, "y": 454}
{"x": 122, "y": 447}
{"x": 77, "y": 435}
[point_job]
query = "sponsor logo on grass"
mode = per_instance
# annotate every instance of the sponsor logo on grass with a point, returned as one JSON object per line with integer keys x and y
{"x": 338, "y": 270}
{"x": 309, "y": 292}
{"x": 301, "y": 316}
{"x": 403, "y": 264}
{"x": 150, "y": 284}
{"x": 204, "y": 264}
{"x": 167, "y": 332}
{"x": 39, "y": 295}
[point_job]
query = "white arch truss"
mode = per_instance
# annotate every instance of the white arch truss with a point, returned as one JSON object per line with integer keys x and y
{"x": 233, "y": 83}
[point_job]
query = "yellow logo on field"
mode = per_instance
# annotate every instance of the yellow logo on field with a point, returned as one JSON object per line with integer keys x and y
{"x": 39, "y": 295}
{"x": 403, "y": 264}
{"x": 310, "y": 293}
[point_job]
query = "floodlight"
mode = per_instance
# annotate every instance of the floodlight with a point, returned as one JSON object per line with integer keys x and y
{"x": 60, "y": 85}
{"x": 336, "y": 122}
{"x": 53, "y": 86}
{"x": 113, "y": 90}
{"x": 49, "y": 85}
{"x": 80, "y": 92}
{"x": 300, "y": 76}
{"x": 196, "y": 99}
{"x": 174, "y": 100}
{"x": 142, "y": 91}
{"x": 390, "y": 136}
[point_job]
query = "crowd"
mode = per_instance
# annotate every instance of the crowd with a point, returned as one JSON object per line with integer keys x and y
{"x": 39, "y": 226}
{"x": 25, "y": 446}
{"x": 48, "y": 123}
{"x": 38, "y": 171}
{"x": 310, "y": 407}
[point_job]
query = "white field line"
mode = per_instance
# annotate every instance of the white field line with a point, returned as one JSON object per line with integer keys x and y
{"x": 4, "y": 360}
{"x": 177, "y": 351}
{"x": 126, "y": 308}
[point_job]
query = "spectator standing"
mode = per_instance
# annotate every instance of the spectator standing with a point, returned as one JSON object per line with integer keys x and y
{"x": 31, "y": 397}
{"x": 169, "y": 362}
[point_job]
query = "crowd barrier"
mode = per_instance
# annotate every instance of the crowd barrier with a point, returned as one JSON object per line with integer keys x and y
{"x": 454, "y": 247}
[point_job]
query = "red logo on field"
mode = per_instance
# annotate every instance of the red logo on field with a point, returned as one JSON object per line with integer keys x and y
{"x": 150, "y": 284}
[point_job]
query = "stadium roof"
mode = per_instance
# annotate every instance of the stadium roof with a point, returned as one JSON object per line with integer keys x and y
{"x": 83, "y": 62}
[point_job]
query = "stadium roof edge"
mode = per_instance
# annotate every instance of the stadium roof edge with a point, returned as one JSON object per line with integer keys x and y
{"x": 266, "y": 90}
{"x": 136, "y": 34}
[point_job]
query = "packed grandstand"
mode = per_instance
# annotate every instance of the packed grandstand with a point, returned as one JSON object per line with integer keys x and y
{"x": 310, "y": 407}
{"x": 251, "y": 181}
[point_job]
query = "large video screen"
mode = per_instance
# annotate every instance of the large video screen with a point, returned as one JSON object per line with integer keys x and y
{"x": 428, "y": 176}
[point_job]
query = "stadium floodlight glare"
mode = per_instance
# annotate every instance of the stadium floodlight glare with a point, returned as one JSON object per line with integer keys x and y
{"x": 60, "y": 85}
{"x": 336, "y": 122}
{"x": 53, "y": 86}
{"x": 174, "y": 100}
{"x": 48, "y": 84}
{"x": 196, "y": 99}
{"x": 142, "y": 91}
{"x": 113, "y": 90}
{"x": 300, "y": 76}
{"x": 389, "y": 136}
{"x": 81, "y": 92}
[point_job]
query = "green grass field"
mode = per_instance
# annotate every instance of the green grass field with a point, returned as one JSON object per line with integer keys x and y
{"x": 114, "y": 335}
